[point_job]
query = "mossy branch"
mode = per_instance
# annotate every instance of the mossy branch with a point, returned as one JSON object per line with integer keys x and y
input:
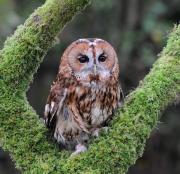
{"x": 24, "y": 51}
{"x": 23, "y": 134}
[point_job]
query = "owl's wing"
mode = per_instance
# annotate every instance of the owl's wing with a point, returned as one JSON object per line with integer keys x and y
{"x": 55, "y": 102}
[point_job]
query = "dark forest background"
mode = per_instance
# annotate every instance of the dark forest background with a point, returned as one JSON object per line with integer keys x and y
{"x": 138, "y": 30}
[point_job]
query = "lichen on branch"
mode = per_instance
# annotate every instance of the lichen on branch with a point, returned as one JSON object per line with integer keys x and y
{"x": 24, "y": 135}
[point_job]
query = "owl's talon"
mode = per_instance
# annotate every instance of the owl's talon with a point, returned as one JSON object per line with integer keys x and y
{"x": 105, "y": 129}
{"x": 95, "y": 133}
{"x": 79, "y": 149}
{"x": 98, "y": 131}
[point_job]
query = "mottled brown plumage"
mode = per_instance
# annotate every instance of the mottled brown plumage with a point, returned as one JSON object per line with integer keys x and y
{"x": 85, "y": 93}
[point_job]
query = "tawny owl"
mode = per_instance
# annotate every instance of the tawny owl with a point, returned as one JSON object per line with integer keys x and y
{"x": 85, "y": 94}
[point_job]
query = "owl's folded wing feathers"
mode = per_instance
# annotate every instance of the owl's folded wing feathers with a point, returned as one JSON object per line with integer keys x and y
{"x": 54, "y": 104}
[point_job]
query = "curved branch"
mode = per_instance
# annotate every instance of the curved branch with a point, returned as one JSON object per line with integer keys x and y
{"x": 24, "y": 136}
{"x": 24, "y": 51}
{"x": 124, "y": 144}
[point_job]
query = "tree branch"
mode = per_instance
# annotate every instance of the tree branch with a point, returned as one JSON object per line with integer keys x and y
{"x": 24, "y": 51}
{"x": 24, "y": 136}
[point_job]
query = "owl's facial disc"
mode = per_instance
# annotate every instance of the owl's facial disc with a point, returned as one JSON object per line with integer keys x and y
{"x": 92, "y": 60}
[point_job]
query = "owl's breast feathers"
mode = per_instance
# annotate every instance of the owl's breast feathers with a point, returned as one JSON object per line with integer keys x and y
{"x": 74, "y": 107}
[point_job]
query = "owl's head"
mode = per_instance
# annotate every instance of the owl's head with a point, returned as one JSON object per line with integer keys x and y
{"x": 90, "y": 60}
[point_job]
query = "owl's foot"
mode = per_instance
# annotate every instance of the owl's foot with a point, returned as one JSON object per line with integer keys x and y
{"x": 79, "y": 148}
{"x": 96, "y": 132}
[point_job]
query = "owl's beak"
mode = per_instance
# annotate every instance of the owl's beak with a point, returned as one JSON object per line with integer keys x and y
{"x": 95, "y": 69}
{"x": 94, "y": 77}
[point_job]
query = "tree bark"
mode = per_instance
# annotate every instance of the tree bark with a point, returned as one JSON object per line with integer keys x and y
{"x": 24, "y": 135}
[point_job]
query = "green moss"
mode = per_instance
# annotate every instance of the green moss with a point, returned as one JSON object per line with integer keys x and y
{"x": 24, "y": 51}
{"x": 25, "y": 137}
{"x": 21, "y": 131}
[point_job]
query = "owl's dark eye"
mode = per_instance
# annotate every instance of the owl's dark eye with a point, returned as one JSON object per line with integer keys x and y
{"x": 102, "y": 57}
{"x": 83, "y": 59}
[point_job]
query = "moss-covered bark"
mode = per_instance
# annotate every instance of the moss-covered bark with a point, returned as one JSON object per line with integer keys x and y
{"x": 21, "y": 132}
{"x": 24, "y": 136}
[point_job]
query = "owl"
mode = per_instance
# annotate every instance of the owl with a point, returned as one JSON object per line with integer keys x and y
{"x": 85, "y": 94}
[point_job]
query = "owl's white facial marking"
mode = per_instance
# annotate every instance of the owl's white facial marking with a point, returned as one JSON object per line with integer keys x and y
{"x": 82, "y": 40}
{"x": 92, "y": 44}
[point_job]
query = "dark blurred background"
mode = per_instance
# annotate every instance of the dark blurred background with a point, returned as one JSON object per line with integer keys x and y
{"x": 138, "y": 30}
